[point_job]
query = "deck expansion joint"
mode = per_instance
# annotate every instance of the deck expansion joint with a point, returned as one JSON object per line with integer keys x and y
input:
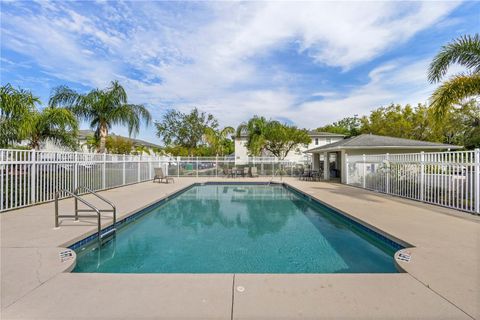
{"x": 441, "y": 296}
{"x": 233, "y": 296}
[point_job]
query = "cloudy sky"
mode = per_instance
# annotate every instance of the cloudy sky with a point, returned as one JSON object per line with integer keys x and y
{"x": 307, "y": 63}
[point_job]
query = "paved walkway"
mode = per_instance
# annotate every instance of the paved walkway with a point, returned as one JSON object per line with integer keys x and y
{"x": 442, "y": 279}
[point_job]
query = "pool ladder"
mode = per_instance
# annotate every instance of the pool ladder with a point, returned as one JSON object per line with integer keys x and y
{"x": 91, "y": 207}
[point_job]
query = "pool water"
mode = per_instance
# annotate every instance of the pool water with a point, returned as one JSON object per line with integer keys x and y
{"x": 239, "y": 229}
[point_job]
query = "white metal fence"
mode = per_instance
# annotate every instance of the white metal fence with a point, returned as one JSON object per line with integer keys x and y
{"x": 28, "y": 177}
{"x": 450, "y": 179}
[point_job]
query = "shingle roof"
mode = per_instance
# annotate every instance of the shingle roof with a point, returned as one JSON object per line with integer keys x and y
{"x": 321, "y": 133}
{"x": 82, "y": 134}
{"x": 371, "y": 141}
{"x": 311, "y": 133}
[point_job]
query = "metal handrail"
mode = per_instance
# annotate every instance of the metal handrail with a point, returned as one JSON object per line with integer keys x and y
{"x": 90, "y": 191}
{"x": 88, "y": 204}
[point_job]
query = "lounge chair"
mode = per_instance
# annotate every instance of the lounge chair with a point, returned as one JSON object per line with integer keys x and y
{"x": 253, "y": 172}
{"x": 160, "y": 176}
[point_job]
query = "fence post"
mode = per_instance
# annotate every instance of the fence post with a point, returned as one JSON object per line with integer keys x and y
{"x": 346, "y": 169}
{"x": 75, "y": 171}
{"x": 138, "y": 169}
{"x": 104, "y": 170}
{"x": 123, "y": 170}
{"x": 216, "y": 166}
{"x": 178, "y": 167}
{"x": 196, "y": 161}
{"x": 364, "y": 171}
{"x": 2, "y": 193}
{"x": 422, "y": 176}
{"x": 33, "y": 182}
{"x": 387, "y": 171}
{"x": 477, "y": 180}
{"x": 150, "y": 168}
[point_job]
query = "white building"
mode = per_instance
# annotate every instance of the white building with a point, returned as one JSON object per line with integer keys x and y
{"x": 299, "y": 154}
{"x": 82, "y": 139}
{"x": 329, "y": 160}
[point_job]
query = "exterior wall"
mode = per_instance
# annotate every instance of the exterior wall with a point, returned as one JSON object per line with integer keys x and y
{"x": 241, "y": 152}
{"x": 317, "y": 141}
{"x": 52, "y": 146}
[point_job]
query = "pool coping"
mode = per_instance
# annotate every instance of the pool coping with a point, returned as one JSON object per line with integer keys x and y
{"x": 395, "y": 243}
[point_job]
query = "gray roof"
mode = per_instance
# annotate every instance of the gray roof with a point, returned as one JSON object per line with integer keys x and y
{"x": 371, "y": 141}
{"x": 311, "y": 133}
{"x": 82, "y": 134}
{"x": 326, "y": 134}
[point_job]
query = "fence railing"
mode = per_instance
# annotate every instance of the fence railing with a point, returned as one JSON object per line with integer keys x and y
{"x": 450, "y": 179}
{"x": 28, "y": 177}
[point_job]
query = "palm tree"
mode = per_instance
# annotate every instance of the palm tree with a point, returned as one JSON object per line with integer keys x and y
{"x": 102, "y": 108}
{"x": 465, "y": 51}
{"x": 16, "y": 107}
{"x": 91, "y": 142}
{"x": 56, "y": 124}
{"x": 217, "y": 138}
{"x": 255, "y": 131}
{"x": 141, "y": 149}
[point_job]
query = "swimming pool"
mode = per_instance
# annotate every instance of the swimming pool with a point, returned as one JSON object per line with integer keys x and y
{"x": 240, "y": 228}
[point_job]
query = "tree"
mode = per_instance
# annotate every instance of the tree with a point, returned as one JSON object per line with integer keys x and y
{"x": 119, "y": 145}
{"x": 185, "y": 130}
{"x": 16, "y": 108}
{"x": 56, "y": 124}
{"x": 141, "y": 149}
{"x": 401, "y": 122}
{"x": 277, "y": 138}
{"x": 92, "y": 142}
{"x": 280, "y": 138}
{"x": 464, "y": 51}
{"x": 349, "y": 126}
{"x": 218, "y": 139}
{"x": 102, "y": 108}
{"x": 459, "y": 125}
{"x": 254, "y": 129}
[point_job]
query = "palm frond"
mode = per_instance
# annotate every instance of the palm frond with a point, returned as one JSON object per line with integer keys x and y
{"x": 63, "y": 96}
{"x": 226, "y": 131}
{"x": 131, "y": 115}
{"x": 454, "y": 91}
{"x": 464, "y": 50}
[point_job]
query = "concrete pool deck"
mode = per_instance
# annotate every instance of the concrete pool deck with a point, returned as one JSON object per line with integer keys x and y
{"x": 442, "y": 280}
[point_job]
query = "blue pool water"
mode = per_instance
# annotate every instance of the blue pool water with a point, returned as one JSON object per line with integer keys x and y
{"x": 239, "y": 229}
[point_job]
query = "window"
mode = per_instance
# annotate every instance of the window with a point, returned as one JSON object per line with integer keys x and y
{"x": 316, "y": 141}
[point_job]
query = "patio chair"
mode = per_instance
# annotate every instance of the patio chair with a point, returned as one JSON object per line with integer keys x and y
{"x": 245, "y": 172}
{"x": 253, "y": 172}
{"x": 316, "y": 175}
{"x": 228, "y": 172}
{"x": 160, "y": 176}
{"x": 306, "y": 175}
{"x": 300, "y": 174}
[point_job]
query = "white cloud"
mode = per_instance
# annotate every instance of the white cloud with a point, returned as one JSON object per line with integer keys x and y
{"x": 207, "y": 54}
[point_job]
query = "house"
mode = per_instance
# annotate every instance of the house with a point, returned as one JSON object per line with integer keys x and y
{"x": 330, "y": 158}
{"x": 82, "y": 139}
{"x": 299, "y": 155}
